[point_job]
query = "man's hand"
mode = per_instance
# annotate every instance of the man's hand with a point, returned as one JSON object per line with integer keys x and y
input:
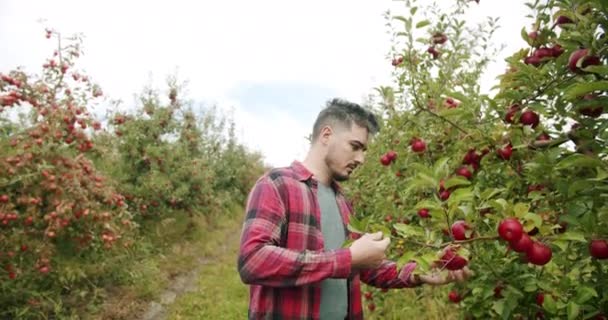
{"x": 368, "y": 251}
{"x": 437, "y": 278}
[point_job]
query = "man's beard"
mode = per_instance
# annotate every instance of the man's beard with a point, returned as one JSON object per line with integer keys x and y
{"x": 335, "y": 175}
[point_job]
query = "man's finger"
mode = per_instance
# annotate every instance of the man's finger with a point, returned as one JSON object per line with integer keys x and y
{"x": 467, "y": 272}
{"x": 459, "y": 274}
{"x": 376, "y": 236}
{"x": 384, "y": 243}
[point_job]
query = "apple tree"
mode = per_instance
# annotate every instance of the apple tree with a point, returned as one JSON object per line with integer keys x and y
{"x": 55, "y": 205}
{"x": 511, "y": 184}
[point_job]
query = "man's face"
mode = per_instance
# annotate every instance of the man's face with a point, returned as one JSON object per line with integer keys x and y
{"x": 346, "y": 150}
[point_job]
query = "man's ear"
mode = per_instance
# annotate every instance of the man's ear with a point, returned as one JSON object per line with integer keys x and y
{"x": 325, "y": 134}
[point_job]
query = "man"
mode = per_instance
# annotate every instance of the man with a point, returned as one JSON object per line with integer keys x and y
{"x": 291, "y": 251}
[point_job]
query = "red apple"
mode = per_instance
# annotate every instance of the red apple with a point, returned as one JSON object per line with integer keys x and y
{"x": 434, "y": 52}
{"x": 454, "y": 296}
{"x": 506, "y": 152}
{"x": 371, "y": 306}
{"x": 397, "y": 61}
{"x": 418, "y": 145}
{"x": 423, "y": 213}
{"x": 513, "y": 109}
{"x": 540, "y": 298}
{"x": 4, "y": 198}
{"x": 510, "y": 229}
{"x": 452, "y": 261}
{"x": 543, "y": 137}
{"x": 498, "y": 291}
{"x": 439, "y": 38}
{"x": 529, "y": 118}
{"x": 385, "y": 160}
{"x": 598, "y": 248}
{"x": 392, "y": 155}
{"x": 539, "y": 254}
{"x": 544, "y": 52}
{"x": 444, "y": 195}
{"x": 562, "y": 20}
{"x": 533, "y": 60}
{"x": 459, "y": 229}
{"x": 523, "y": 244}
{"x": 471, "y": 157}
{"x": 557, "y": 50}
{"x": 464, "y": 171}
{"x": 584, "y": 55}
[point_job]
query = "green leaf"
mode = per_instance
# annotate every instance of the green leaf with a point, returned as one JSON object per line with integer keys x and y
{"x": 601, "y": 175}
{"x": 579, "y": 89}
{"x": 572, "y": 236}
{"x": 405, "y": 258}
{"x": 422, "y": 24}
{"x": 400, "y": 18}
{"x": 420, "y": 168}
{"x": 583, "y": 294}
{"x": 459, "y": 195}
{"x": 500, "y": 204}
{"x": 429, "y": 204}
{"x": 451, "y": 112}
{"x": 407, "y": 230}
{"x": 440, "y": 168}
{"x": 532, "y": 220}
{"x": 601, "y": 70}
{"x": 422, "y": 180}
{"x": 573, "y": 310}
{"x": 347, "y": 243}
{"x": 520, "y": 209}
{"x": 424, "y": 262}
{"x": 489, "y": 193}
{"x": 579, "y": 160}
{"x": 356, "y": 225}
{"x": 577, "y": 186}
{"x": 456, "y": 181}
{"x": 550, "y": 304}
{"x": 413, "y": 10}
{"x": 499, "y": 307}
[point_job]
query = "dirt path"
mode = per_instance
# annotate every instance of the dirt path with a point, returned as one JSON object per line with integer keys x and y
{"x": 185, "y": 283}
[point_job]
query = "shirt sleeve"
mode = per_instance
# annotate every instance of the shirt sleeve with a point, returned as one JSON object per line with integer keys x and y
{"x": 262, "y": 261}
{"x": 388, "y": 276}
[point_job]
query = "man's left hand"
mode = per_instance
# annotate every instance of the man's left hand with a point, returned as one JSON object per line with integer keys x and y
{"x": 436, "y": 278}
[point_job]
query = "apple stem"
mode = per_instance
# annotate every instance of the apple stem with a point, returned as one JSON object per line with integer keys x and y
{"x": 548, "y": 144}
{"x": 474, "y": 239}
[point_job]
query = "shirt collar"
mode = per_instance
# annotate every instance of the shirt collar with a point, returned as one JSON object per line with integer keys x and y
{"x": 303, "y": 174}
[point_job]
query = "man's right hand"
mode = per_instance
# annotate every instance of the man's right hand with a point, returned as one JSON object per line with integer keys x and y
{"x": 368, "y": 251}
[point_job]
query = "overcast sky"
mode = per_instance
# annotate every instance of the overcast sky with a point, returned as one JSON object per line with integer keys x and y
{"x": 275, "y": 62}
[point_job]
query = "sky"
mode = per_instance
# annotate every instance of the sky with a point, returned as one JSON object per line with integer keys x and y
{"x": 270, "y": 64}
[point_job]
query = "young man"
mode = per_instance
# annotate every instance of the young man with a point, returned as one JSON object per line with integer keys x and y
{"x": 291, "y": 251}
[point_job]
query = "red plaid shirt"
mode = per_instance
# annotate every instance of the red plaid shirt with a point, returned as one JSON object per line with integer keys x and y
{"x": 281, "y": 252}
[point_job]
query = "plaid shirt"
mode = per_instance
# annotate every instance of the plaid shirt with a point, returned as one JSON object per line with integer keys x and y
{"x": 281, "y": 252}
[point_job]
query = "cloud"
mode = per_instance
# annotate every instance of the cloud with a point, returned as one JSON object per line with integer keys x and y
{"x": 253, "y": 55}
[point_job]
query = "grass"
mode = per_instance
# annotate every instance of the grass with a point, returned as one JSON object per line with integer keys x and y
{"x": 175, "y": 247}
{"x": 219, "y": 293}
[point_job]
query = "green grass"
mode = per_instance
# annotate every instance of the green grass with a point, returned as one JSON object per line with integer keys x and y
{"x": 220, "y": 294}
{"x": 174, "y": 246}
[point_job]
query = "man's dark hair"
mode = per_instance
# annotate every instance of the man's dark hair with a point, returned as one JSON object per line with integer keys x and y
{"x": 341, "y": 112}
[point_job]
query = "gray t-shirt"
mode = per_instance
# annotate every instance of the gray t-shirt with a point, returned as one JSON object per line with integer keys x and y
{"x": 334, "y": 296}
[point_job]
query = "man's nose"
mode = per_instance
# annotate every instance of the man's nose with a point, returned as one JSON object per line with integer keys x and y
{"x": 360, "y": 158}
